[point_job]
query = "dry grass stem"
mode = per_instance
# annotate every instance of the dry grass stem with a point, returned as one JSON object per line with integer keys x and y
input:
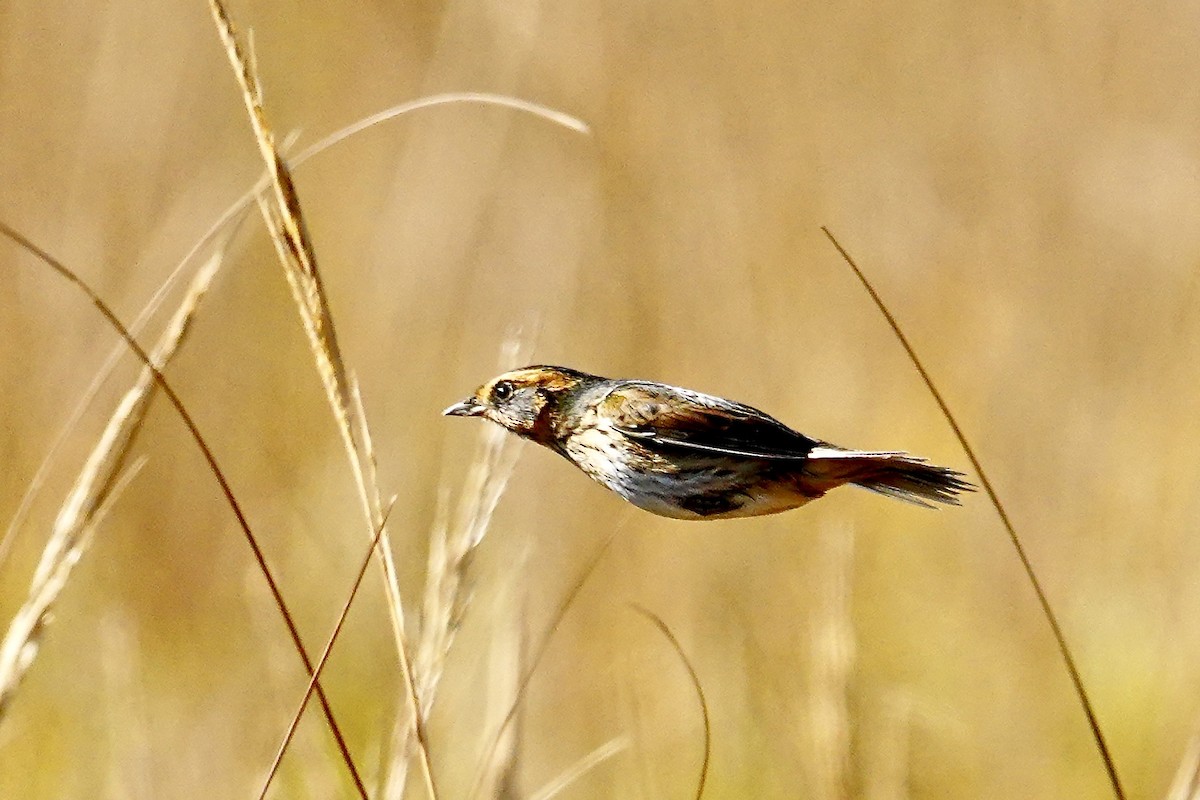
{"x": 85, "y": 400}
{"x": 25, "y": 504}
{"x": 549, "y": 114}
{"x": 885, "y": 773}
{"x": 830, "y": 666}
{"x": 285, "y": 221}
{"x": 129, "y": 768}
{"x": 311, "y": 754}
{"x": 320, "y": 665}
{"x": 1186, "y": 785}
{"x": 563, "y": 781}
{"x": 452, "y": 545}
{"x": 289, "y": 233}
{"x": 505, "y": 668}
{"x": 218, "y": 474}
{"x": 642, "y": 780}
{"x": 248, "y": 198}
{"x": 1060, "y": 638}
{"x": 90, "y": 495}
{"x": 539, "y": 652}
{"x": 701, "y": 700}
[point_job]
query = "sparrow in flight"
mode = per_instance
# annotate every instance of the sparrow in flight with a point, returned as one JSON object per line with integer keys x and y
{"x": 679, "y": 453}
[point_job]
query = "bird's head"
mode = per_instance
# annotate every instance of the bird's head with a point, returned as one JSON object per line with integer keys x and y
{"x": 522, "y": 401}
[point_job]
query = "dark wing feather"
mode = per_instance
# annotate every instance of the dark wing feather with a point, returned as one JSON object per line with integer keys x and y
{"x": 679, "y": 418}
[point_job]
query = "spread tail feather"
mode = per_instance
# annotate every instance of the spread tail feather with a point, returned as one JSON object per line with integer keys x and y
{"x": 895, "y": 474}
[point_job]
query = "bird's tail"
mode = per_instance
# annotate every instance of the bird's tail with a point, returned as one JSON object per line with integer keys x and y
{"x": 894, "y": 474}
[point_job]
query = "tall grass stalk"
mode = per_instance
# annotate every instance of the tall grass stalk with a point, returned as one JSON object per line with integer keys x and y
{"x": 218, "y": 474}
{"x": 454, "y": 541}
{"x": 1060, "y": 638}
{"x": 325, "y": 651}
{"x": 25, "y": 504}
{"x": 282, "y": 213}
{"x": 90, "y": 496}
{"x": 830, "y": 667}
{"x": 281, "y": 209}
{"x": 701, "y": 700}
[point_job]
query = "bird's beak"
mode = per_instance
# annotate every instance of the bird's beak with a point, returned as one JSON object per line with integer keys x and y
{"x": 464, "y": 408}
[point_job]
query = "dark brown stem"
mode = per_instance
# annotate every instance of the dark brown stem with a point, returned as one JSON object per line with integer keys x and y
{"x": 259, "y": 557}
{"x": 662, "y": 626}
{"x": 559, "y": 614}
{"x": 312, "y": 681}
{"x": 1059, "y": 638}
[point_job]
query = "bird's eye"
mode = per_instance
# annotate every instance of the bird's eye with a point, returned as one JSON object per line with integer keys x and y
{"x": 502, "y": 391}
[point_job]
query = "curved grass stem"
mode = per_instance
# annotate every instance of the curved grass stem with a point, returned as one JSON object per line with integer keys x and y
{"x": 226, "y": 490}
{"x": 1047, "y": 611}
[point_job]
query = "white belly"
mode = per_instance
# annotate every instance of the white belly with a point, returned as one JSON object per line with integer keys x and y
{"x": 597, "y": 452}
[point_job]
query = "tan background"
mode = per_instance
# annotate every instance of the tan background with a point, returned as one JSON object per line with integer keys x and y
{"x": 1021, "y": 180}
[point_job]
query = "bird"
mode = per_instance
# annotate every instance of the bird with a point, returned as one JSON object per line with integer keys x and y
{"x": 683, "y": 454}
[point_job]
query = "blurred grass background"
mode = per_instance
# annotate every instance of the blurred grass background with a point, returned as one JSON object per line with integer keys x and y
{"x": 1019, "y": 179}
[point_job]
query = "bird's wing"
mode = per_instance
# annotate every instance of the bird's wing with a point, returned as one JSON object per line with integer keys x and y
{"x": 682, "y": 419}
